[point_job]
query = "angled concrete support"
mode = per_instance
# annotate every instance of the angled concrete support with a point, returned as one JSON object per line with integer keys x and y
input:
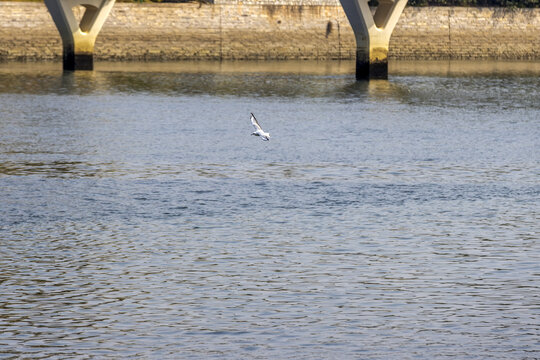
{"x": 372, "y": 34}
{"x": 78, "y": 38}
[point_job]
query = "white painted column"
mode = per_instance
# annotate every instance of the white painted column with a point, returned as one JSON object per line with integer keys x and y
{"x": 78, "y": 38}
{"x": 372, "y": 34}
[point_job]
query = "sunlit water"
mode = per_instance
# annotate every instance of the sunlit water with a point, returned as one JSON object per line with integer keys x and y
{"x": 390, "y": 219}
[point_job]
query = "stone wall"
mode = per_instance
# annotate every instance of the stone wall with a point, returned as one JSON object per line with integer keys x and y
{"x": 467, "y": 33}
{"x": 236, "y": 30}
{"x": 278, "y": 2}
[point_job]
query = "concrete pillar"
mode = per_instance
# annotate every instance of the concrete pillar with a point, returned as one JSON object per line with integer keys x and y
{"x": 372, "y": 32}
{"x": 78, "y": 38}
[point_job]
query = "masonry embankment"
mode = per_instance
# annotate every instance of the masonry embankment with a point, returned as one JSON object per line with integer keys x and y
{"x": 261, "y": 31}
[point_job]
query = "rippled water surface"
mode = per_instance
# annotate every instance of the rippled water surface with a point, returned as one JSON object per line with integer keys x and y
{"x": 390, "y": 219}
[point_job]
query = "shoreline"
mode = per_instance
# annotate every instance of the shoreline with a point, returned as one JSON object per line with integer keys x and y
{"x": 457, "y": 68}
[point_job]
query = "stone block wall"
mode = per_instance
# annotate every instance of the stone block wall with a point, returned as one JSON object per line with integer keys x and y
{"x": 278, "y": 2}
{"x": 466, "y": 33}
{"x": 233, "y": 29}
{"x": 27, "y": 32}
{"x": 191, "y": 31}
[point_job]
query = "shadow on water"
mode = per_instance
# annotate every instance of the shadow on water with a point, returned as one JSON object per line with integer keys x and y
{"x": 56, "y": 169}
{"x": 464, "y": 68}
{"x": 416, "y": 83}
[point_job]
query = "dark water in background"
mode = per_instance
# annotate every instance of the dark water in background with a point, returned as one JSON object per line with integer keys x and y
{"x": 390, "y": 219}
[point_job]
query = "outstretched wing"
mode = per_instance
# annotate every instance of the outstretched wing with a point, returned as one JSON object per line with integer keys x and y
{"x": 255, "y": 123}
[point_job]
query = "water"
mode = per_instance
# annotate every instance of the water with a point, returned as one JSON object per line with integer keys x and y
{"x": 390, "y": 219}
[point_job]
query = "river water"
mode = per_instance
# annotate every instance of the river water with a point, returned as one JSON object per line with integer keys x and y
{"x": 389, "y": 219}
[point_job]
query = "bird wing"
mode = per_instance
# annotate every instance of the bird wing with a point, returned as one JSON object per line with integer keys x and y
{"x": 255, "y": 123}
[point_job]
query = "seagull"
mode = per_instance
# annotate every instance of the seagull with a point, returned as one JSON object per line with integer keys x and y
{"x": 258, "y": 130}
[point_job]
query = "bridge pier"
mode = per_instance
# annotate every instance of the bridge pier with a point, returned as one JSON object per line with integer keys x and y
{"x": 78, "y": 38}
{"x": 372, "y": 34}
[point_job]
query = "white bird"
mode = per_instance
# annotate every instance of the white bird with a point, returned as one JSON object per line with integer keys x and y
{"x": 258, "y": 130}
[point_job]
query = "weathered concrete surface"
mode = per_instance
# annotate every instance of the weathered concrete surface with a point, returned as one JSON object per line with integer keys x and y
{"x": 238, "y": 31}
{"x": 79, "y": 33}
{"x": 372, "y": 32}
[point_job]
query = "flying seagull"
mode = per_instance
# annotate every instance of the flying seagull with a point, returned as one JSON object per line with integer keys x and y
{"x": 258, "y": 130}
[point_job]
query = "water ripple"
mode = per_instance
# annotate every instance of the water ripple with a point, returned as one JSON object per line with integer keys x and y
{"x": 403, "y": 224}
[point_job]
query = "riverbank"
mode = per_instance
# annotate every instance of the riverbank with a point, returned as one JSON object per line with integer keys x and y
{"x": 262, "y": 32}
